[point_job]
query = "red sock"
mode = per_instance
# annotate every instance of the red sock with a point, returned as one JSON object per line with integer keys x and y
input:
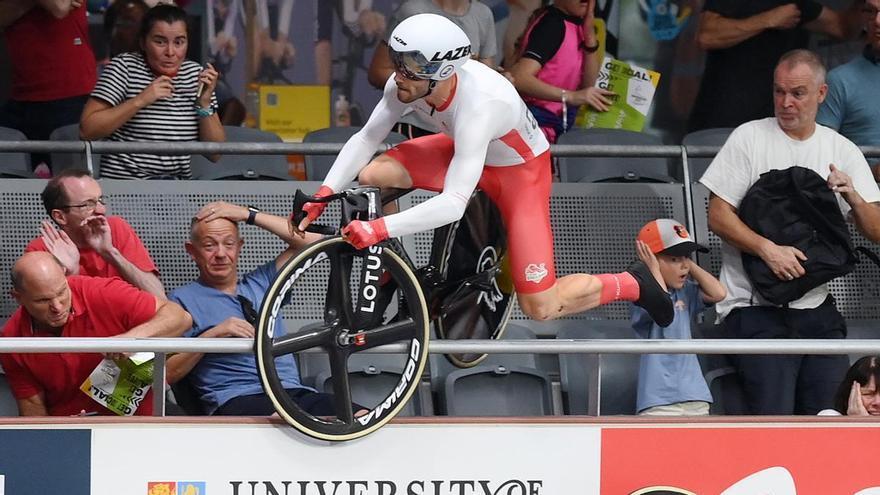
{"x": 618, "y": 287}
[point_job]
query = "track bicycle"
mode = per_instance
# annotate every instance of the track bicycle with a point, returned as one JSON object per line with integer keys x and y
{"x": 378, "y": 296}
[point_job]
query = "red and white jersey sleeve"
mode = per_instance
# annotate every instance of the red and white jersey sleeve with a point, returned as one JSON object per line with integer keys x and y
{"x": 359, "y": 149}
{"x": 487, "y": 120}
{"x": 490, "y": 125}
{"x": 482, "y": 94}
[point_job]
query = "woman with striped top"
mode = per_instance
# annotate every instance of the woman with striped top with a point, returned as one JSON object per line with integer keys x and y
{"x": 153, "y": 95}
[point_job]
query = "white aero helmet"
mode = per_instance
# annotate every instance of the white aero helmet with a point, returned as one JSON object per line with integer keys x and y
{"x": 428, "y": 46}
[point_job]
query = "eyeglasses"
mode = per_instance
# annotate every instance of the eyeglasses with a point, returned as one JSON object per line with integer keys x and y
{"x": 89, "y": 204}
{"x": 247, "y": 308}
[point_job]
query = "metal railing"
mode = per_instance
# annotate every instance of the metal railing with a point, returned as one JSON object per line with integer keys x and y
{"x": 527, "y": 346}
{"x": 88, "y": 148}
{"x": 196, "y": 147}
{"x": 558, "y": 346}
{"x": 163, "y": 346}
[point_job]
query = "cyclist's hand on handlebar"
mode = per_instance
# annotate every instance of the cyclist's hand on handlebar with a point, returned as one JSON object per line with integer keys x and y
{"x": 361, "y": 234}
{"x": 312, "y": 210}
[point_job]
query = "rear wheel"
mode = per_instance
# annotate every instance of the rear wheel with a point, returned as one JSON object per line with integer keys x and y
{"x": 369, "y": 298}
{"x": 475, "y": 245}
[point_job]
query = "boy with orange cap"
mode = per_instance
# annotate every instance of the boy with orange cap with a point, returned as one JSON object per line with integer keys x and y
{"x": 673, "y": 384}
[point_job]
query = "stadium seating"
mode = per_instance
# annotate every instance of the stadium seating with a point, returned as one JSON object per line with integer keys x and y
{"x": 512, "y": 384}
{"x": 14, "y": 164}
{"x": 371, "y": 377}
{"x": 317, "y": 166}
{"x": 440, "y": 366}
{"x": 497, "y": 390}
{"x": 611, "y": 169}
{"x": 705, "y": 137}
{"x": 617, "y": 373}
{"x": 242, "y": 167}
{"x": 61, "y": 161}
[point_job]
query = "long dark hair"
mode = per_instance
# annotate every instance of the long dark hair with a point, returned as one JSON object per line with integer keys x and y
{"x": 861, "y": 371}
{"x": 163, "y": 12}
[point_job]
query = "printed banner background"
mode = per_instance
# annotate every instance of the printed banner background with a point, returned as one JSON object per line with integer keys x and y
{"x": 706, "y": 461}
{"x": 220, "y": 454}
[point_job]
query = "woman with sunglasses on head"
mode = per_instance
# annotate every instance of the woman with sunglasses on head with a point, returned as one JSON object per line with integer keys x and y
{"x": 153, "y": 95}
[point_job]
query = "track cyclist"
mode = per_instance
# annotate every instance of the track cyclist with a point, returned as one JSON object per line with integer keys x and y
{"x": 486, "y": 138}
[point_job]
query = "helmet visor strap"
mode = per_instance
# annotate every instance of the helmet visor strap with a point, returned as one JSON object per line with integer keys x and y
{"x": 414, "y": 65}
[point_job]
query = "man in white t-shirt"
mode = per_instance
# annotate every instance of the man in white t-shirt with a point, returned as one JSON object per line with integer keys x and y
{"x": 786, "y": 384}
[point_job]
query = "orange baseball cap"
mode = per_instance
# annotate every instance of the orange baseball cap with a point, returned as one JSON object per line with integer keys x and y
{"x": 666, "y": 236}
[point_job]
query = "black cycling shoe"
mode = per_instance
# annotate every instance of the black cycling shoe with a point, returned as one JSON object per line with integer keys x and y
{"x": 652, "y": 297}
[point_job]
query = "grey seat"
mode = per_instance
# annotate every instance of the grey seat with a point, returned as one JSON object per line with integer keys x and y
{"x": 706, "y": 137}
{"x": 618, "y": 373}
{"x": 861, "y": 329}
{"x": 8, "y": 404}
{"x": 14, "y": 164}
{"x": 371, "y": 376}
{"x": 62, "y": 161}
{"x": 497, "y": 390}
{"x": 441, "y": 367}
{"x": 612, "y": 169}
{"x": 241, "y": 167}
{"x": 501, "y": 385}
{"x": 317, "y": 166}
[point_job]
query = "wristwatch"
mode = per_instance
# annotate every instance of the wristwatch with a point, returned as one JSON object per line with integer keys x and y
{"x": 252, "y": 214}
{"x": 205, "y": 112}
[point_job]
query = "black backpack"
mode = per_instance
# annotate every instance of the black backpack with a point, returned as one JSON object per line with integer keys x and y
{"x": 795, "y": 207}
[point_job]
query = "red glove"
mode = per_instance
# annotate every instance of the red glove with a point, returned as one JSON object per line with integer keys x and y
{"x": 362, "y": 234}
{"x": 314, "y": 210}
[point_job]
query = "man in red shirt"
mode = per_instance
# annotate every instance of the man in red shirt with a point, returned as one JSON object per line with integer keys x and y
{"x": 89, "y": 242}
{"x": 53, "y": 66}
{"x": 53, "y": 305}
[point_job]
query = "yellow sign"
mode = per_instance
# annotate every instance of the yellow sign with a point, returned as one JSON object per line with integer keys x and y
{"x": 292, "y": 111}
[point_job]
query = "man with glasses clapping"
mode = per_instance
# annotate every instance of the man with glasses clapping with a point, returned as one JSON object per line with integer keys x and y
{"x": 88, "y": 242}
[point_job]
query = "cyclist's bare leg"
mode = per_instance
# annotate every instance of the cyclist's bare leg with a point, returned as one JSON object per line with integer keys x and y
{"x": 580, "y": 292}
{"x": 386, "y": 172}
{"x": 570, "y": 294}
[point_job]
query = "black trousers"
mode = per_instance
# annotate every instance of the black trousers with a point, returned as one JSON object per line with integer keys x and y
{"x": 785, "y": 384}
{"x": 314, "y": 403}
